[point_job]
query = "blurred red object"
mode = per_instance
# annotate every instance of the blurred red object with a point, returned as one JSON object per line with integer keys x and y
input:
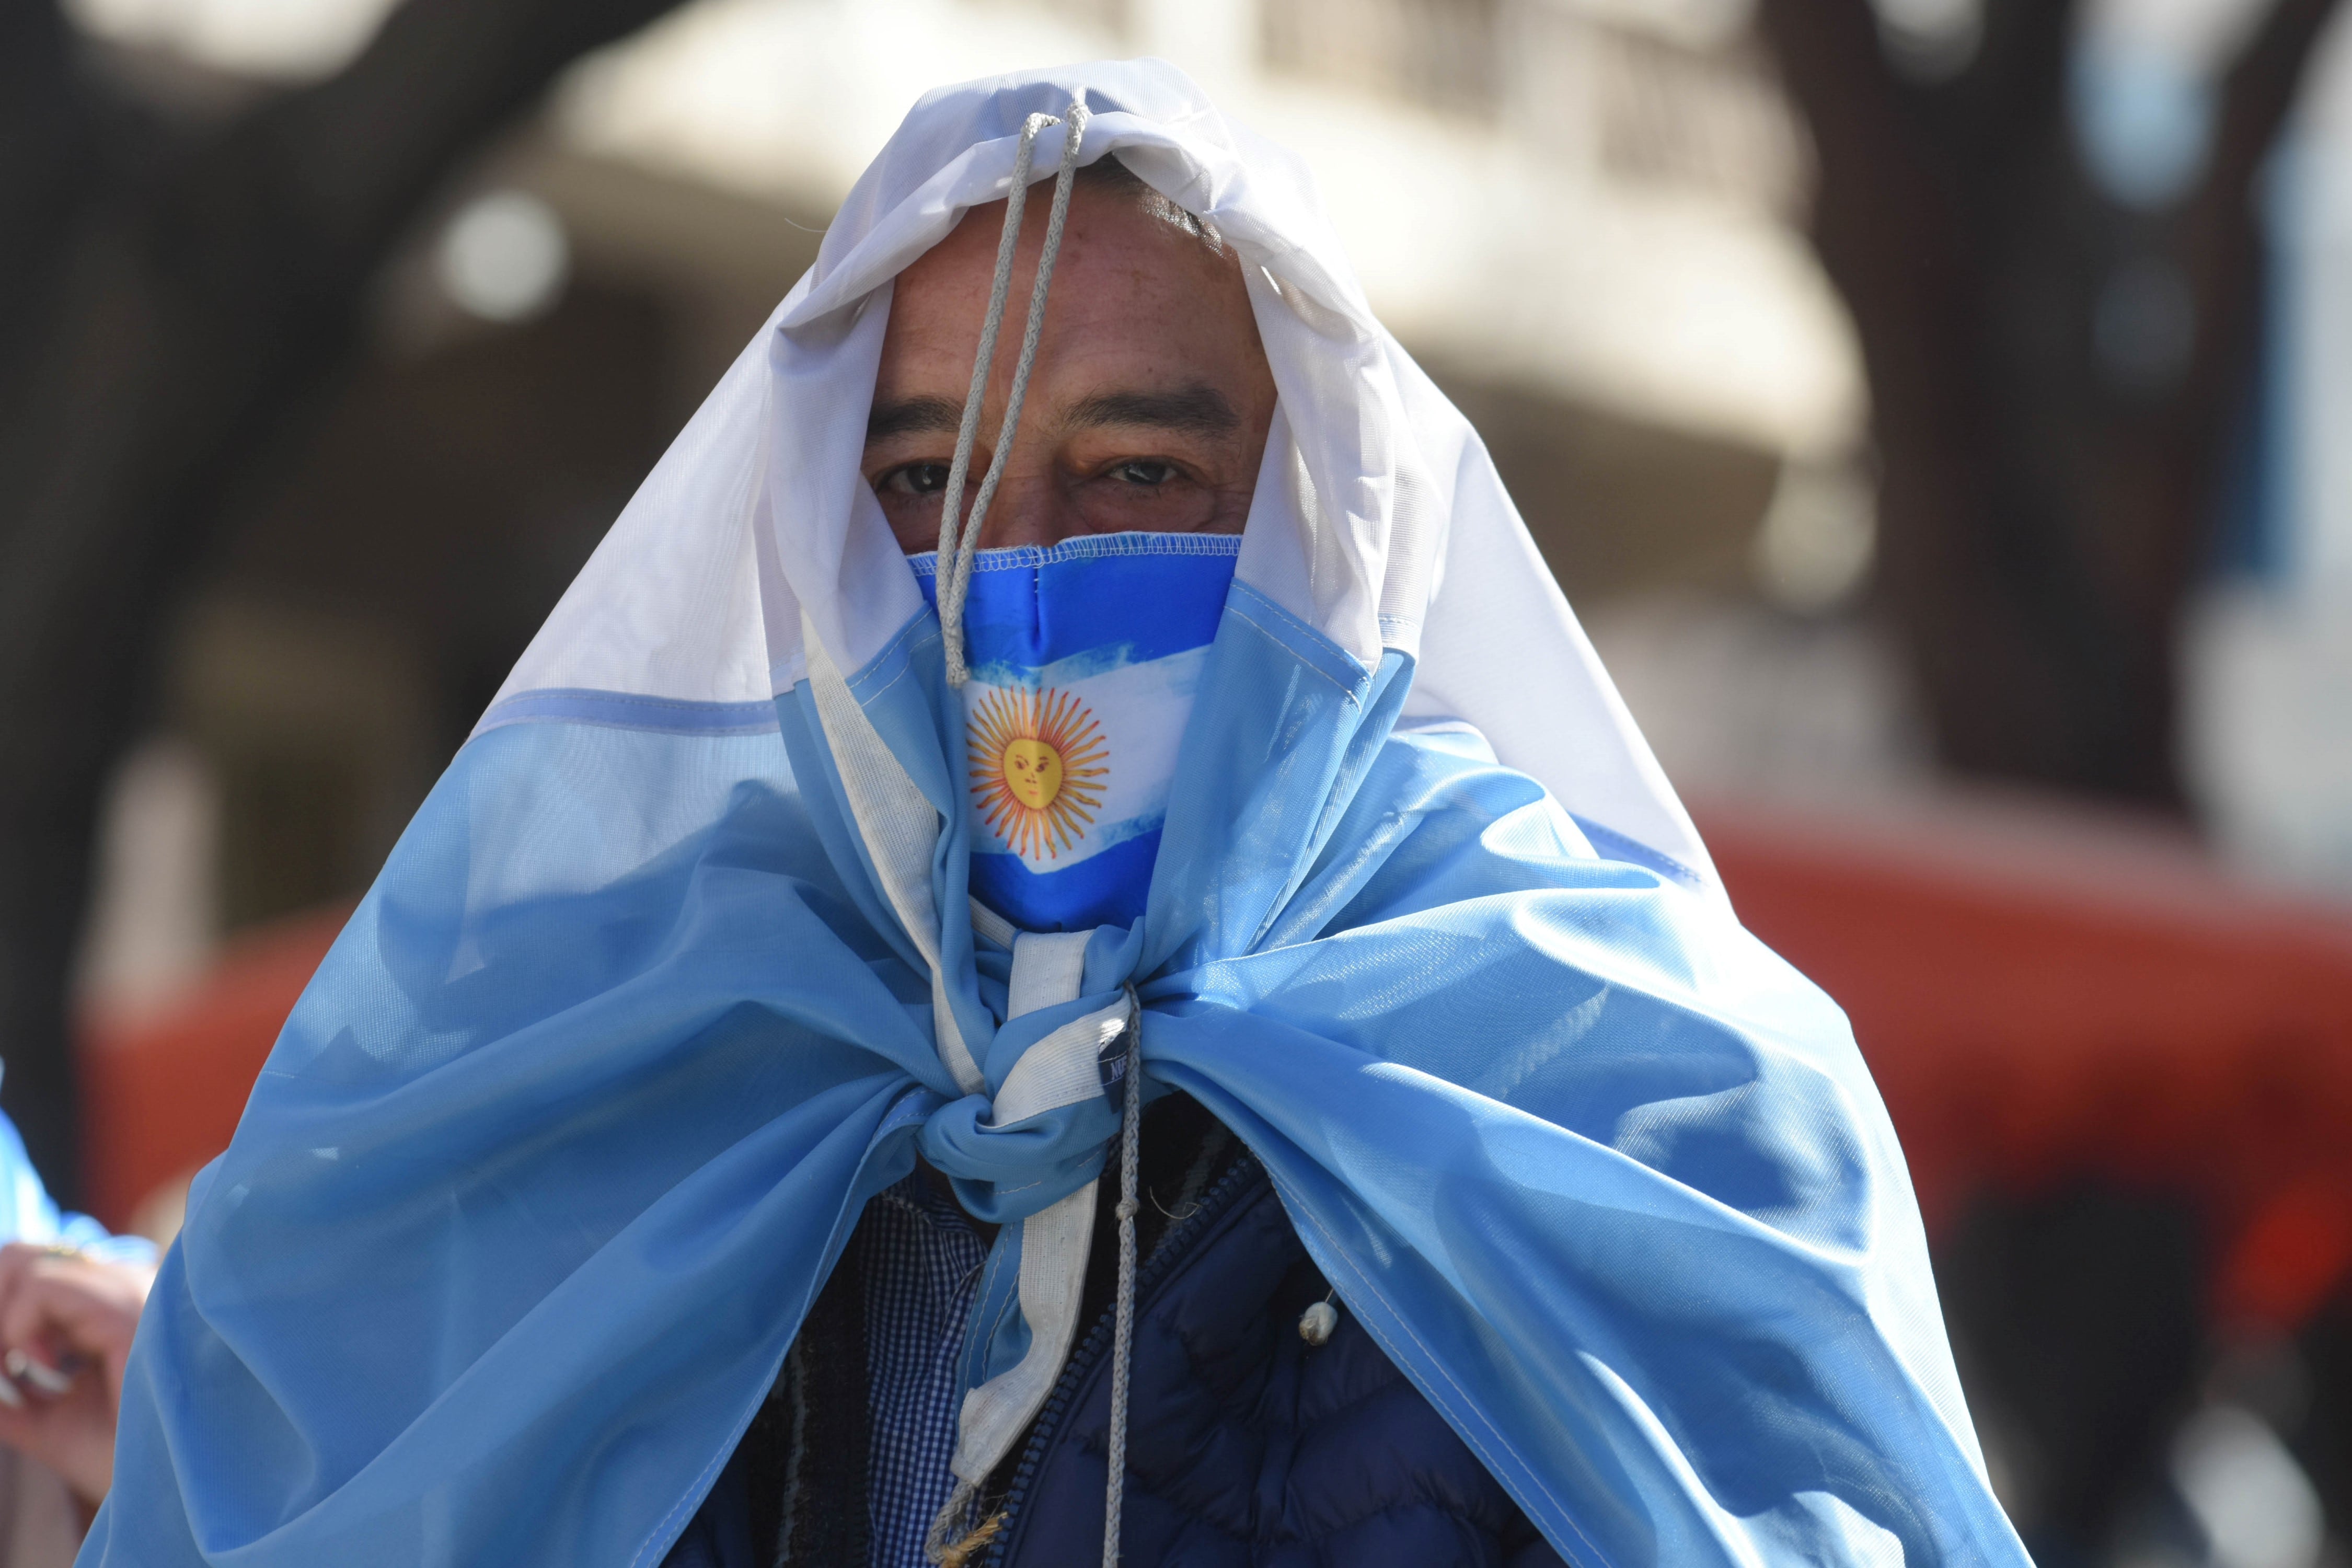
{"x": 162, "y": 1092}
{"x": 2045, "y": 993}
{"x": 2042, "y": 993}
{"x": 2289, "y": 1257}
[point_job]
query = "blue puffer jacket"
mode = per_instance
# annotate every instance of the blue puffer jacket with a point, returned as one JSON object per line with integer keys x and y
{"x": 1246, "y": 1448}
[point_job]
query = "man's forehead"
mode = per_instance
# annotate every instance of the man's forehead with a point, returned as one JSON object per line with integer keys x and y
{"x": 1115, "y": 210}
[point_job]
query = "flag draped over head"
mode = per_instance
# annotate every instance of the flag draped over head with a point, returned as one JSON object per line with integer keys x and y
{"x": 678, "y": 965}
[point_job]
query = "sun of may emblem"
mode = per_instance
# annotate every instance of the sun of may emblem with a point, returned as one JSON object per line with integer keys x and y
{"x": 1037, "y": 762}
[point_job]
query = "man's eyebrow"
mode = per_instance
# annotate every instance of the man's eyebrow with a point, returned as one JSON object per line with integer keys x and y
{"x": 1198, "y": 409}
{"x": 913, "y": 417}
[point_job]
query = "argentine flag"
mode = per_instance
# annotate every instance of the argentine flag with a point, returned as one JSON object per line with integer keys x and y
{"x": 1085, "y": 660}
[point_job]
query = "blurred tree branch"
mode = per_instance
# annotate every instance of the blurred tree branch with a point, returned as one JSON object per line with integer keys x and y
{"x": 172, "y": 301}
{"x": 2043, "y": 510}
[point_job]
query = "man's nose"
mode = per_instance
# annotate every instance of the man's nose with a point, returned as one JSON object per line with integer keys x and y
{"x": 1030, "y": 508}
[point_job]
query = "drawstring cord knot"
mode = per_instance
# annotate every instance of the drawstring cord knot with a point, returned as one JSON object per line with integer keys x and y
{"x": 959, "y": 539}
{"x": 951, "y": 1544}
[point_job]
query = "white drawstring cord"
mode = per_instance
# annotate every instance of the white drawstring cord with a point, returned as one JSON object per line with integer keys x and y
{"x": 968, "y": 429}
{"x": 958, "y": 545}
{"x": 1130, "y": 1130}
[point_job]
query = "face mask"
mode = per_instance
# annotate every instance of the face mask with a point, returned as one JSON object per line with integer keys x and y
{"x": 1085, "y": 657}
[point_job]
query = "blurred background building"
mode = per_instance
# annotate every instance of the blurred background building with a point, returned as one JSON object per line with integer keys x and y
{"x": 1939, "y": 411}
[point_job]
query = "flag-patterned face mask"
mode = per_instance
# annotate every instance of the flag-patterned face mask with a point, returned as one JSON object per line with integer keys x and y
{"x": 1083, "y": 657}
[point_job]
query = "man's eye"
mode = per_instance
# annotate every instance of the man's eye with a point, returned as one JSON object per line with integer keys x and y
{"x": 915, "y": 480}
{"x": 1144, "y": 471}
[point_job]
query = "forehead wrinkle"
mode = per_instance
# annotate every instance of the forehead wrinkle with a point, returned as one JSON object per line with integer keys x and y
{"x": 1199, "y": 409}
{"x": 913, "y": 417}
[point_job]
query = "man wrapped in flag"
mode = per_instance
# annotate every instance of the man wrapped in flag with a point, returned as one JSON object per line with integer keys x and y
{"x": 1061, "y": 947}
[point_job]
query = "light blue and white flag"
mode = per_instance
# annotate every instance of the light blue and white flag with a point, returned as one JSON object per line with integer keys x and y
{"x": 679, "y": 965}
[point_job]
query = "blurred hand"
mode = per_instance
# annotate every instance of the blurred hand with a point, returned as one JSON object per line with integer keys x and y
{"x": 66, "y": 1326}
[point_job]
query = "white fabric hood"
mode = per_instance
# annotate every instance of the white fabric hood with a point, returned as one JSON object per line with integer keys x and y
{"x": 1379, "y": 519}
